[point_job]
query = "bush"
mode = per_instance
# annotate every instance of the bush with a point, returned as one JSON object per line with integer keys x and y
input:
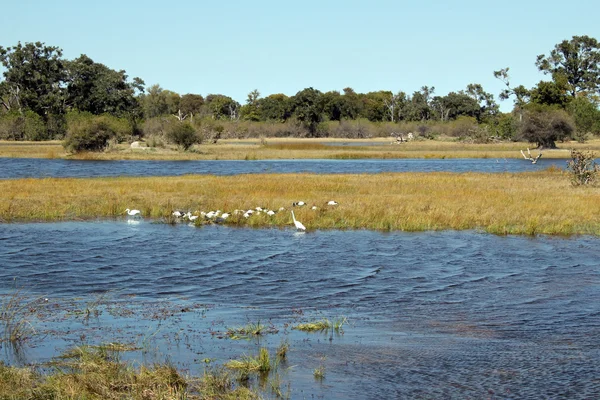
{"x": 184, "y": 135}
{"x": 586, "y": 116}
{"x": 25, "y": 126}
{"x": 583, "y": 168}
{"x": 88, "y": 134}
{"x": 121, "y": 127}
{"x": 545, "y": 125}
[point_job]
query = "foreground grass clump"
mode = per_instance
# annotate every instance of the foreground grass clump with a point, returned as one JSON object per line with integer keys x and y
{"x": 97, "y": 373}
{"x": 542, "y": 202}
{"x": 322, "y": 325}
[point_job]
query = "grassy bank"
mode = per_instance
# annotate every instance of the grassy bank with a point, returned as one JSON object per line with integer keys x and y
{"x": 253, "y": 149}
{"x": 523, "y": 203}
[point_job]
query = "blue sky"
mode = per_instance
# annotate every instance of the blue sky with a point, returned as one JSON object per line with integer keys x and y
{"x": 232, "y": 47}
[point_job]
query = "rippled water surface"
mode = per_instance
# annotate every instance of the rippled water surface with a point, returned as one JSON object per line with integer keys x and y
{"x": 430, "y": 315}
{"x": 34, "y": 167}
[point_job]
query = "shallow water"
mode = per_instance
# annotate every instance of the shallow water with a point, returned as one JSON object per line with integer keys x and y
{"x": 36, "y": 168}
{"x": 431, "y": 315}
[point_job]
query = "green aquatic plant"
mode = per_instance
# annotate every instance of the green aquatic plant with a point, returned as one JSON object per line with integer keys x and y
{"x": 323, "y": 324}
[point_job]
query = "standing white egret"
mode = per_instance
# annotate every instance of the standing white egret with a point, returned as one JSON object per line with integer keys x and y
{"x": 190, "y": 216}
{"x": 298, "y": 224}
{"x": 133, "y": 213}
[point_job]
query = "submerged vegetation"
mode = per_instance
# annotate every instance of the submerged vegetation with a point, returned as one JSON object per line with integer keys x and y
{"x": 505, "y": 203}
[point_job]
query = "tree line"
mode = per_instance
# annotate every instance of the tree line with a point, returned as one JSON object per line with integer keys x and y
{"x": 45, "y": 96}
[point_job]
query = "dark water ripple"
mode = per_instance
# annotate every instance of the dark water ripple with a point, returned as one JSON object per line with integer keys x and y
{"x": 11, "y": 168}
{"x": 435, "y": 314}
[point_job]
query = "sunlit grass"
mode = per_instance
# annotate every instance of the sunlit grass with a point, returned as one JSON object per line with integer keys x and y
{"x": 294, "y": 148}
{"x": 260, "y": 363}
{"x": 321, "y": 325}
{"x": 507, "y": 203}
{"x": 95, "y": 373}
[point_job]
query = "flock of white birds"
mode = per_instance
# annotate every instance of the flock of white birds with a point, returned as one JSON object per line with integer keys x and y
{"x": 219, "y": 216}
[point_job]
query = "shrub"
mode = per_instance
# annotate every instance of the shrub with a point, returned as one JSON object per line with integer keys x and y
{"x": 184, "y": 135}
{"x": 545, "y": 125}
{"x": 583, "y": 168}
{"x": 88, "y": 134}
{"x": 25, "y": 126}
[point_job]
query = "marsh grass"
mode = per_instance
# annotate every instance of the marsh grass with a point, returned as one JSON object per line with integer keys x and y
{"x": 16, "y": 315}
{"x": 250, "y": 330}
{"x": 248, "y": 364}
{"x": 96, "y": 372}
{"x": 282, "y": 148}
{"x": 321, "y": 325}
{"x": 541, "y": 202}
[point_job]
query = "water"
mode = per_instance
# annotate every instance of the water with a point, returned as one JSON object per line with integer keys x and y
{"x": 431, "y": 315}
{"x": 38, "y": 168}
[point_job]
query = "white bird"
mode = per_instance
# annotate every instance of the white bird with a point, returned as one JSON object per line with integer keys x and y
{"x": 246, "y": 215}
{"x": 178, "y": 214}
{"x": 281, "y": 208}
{"x": 299, "y": 204}
{"x": 298, "y": 224}
{"x": 313, "y": 207}
{"x": 332, "y": 203}
{"x": 133, "y": 213}
{"x": 225, "y": 215}
{"x": 270, "y": 213}
{"x": 190, "y": 216}
{"x": 210, "y": 214}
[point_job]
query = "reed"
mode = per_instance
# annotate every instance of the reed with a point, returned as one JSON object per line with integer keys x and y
{"x": 281, "y": 148}
{"x": 509, "y": 203}
{"x": 16, "y": 312}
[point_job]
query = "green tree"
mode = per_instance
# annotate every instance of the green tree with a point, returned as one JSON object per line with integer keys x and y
{"x": 577, "y": 60}
{"x": 488, "y": 108}
{"x": 154, "y": 102}
{"x": 454, "y": 105}
{"x": 545, "y": 125}
{"x": 520, "y": 92}
{"x": 586, "y": 115}
{"x": 419, "y": 106}
{"x": 250, "y": 111}
{"x": 34, "y": 78}
{"x": 222, "y": 107}
{"x": 551, "y": 93}
{"x": 276, "y": 107}
{"x": 95, "y": 88}
{"x": 308, "y": 109}
{"x": 191, "y": 104}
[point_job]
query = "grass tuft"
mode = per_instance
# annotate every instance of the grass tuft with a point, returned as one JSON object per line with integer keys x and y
{"x": 322, "y": 325}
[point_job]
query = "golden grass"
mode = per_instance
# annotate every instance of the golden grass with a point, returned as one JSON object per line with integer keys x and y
{"x": 278, "y": 148}
{"x": 508, "y": 203}
{"x": 88, "y": 373}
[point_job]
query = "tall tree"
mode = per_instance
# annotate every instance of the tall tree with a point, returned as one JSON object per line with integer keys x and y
{"x": 191, "y": 104}
{"x": 35, "y": 78}
{"x": 578, "y": 60}
{"x": 308, "y": 108}
{"x": 520, "y": 92}
{"x": 95, "y": 88}
{"x": 275, "y": 107}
